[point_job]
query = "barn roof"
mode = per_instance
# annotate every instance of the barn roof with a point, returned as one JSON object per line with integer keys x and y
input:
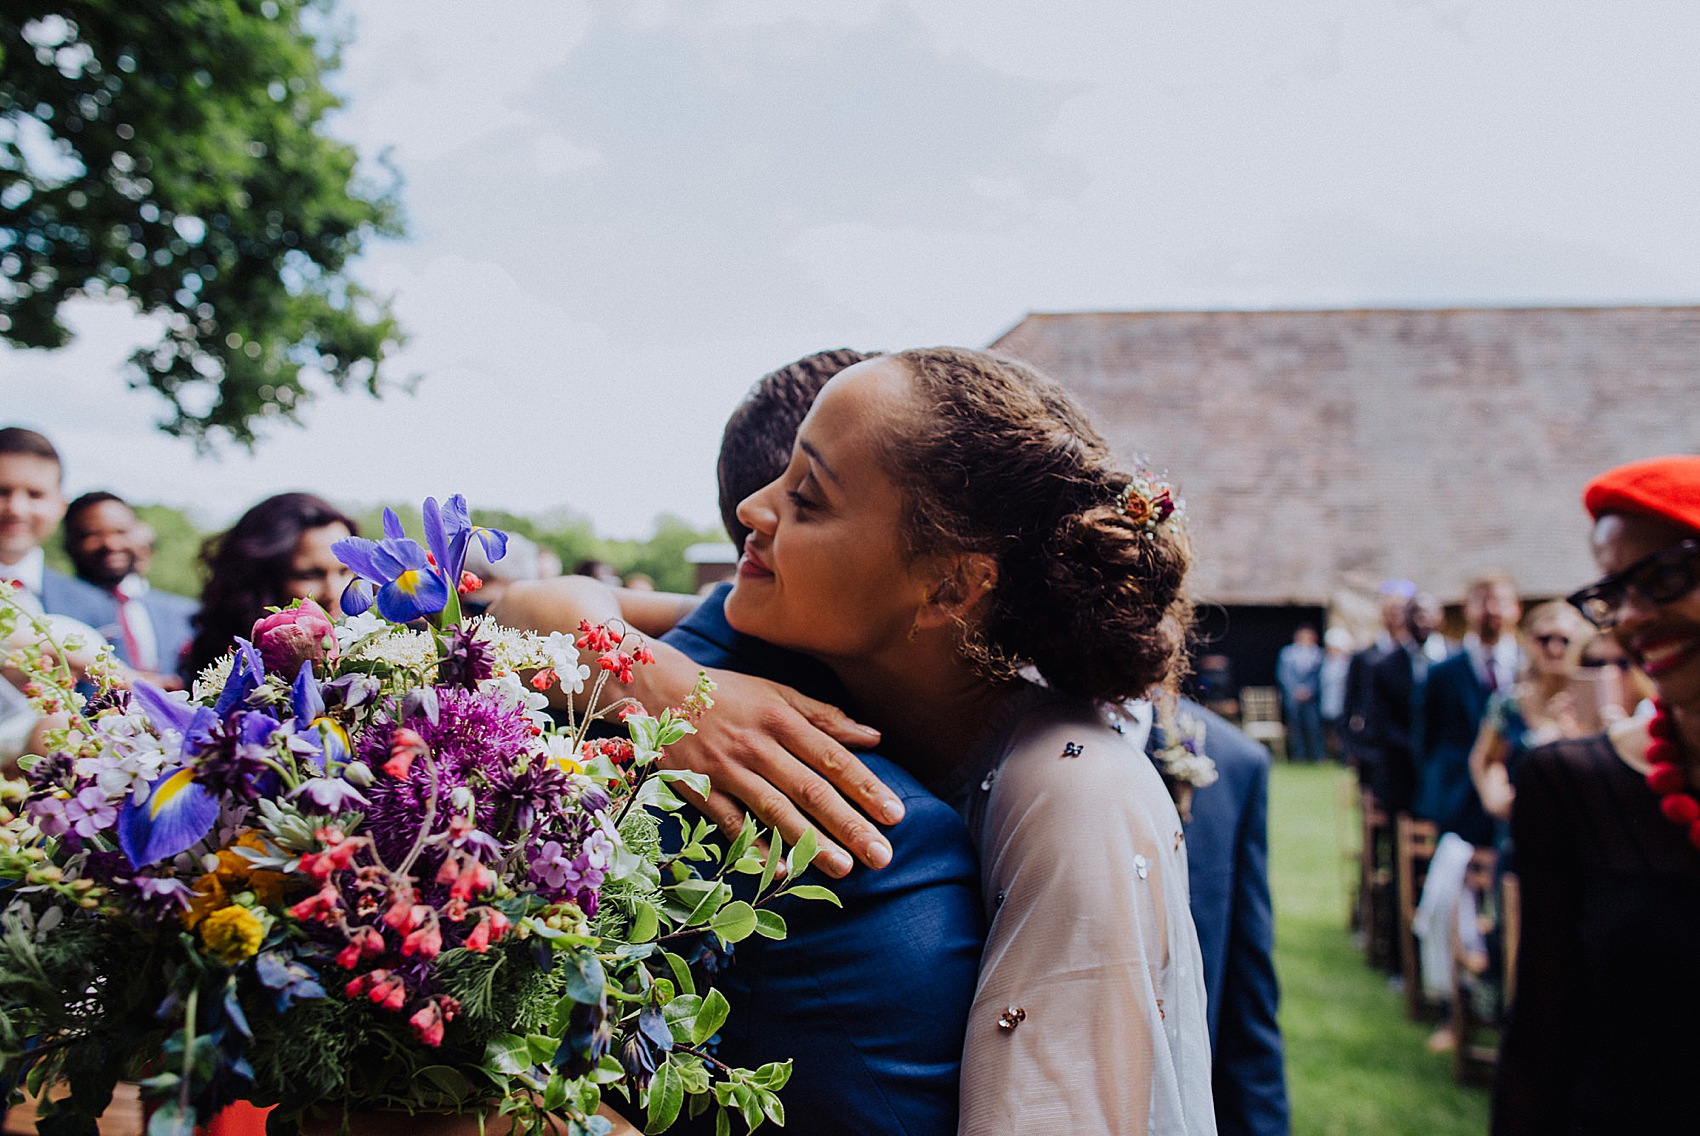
{"x": 1318, "y": 450}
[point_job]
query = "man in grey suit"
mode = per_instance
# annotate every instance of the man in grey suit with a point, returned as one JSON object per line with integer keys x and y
{"x": 151, "y": 628}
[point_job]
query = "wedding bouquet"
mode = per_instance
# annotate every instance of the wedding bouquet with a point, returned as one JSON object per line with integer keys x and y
{"x": 358, "y": 868}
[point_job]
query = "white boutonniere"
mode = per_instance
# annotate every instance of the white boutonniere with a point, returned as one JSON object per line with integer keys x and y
{"x": 1180, "y": 754}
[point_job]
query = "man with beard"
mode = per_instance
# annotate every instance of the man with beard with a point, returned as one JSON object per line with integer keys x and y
{"x": 151, "y": 628}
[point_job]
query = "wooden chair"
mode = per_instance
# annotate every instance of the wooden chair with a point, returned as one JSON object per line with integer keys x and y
{"x": 1375, "y": 893}
{"x": 1414, "y": 843}
{"x": 1476, "y": 988}
{"x": 1260, "y": 718}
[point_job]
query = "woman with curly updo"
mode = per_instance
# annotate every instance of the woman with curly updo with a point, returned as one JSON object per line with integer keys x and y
{"x": 952, "y": 539}
{"x": 278, "y": 552}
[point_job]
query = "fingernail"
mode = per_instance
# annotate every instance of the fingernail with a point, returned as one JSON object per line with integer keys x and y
{"x": 879, "y": 854}
{"x": 839, "y": 864}
{"x": 892, "y": 810}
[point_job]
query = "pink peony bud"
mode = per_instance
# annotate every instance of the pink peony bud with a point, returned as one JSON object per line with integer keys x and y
{"x": 286, "y": 639}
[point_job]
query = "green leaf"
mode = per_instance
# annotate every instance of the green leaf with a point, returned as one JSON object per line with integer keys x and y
{"x": 446, "y": 1079}
{"x": 741, "y": 843}
{"x": 681, "y": 972}
{"x": 645, "y": 923}
{"x": 680, "y": 1013}
{"x": 697, "y": 782}
{"x": 772, "y": 1106}
{"x": 508, "y": 1053}
{"x": 666, "y": 1095}
{"x": 722, "y": 1123}
{"x": 770, "y": 924}
{"x": 542, "y": 1047}
{"x": 775, "y": 852}
{"x": 710, "y": 1018}
{"x": 815, "y": 891}
{"x": 584, "y": 980}
{"x": 802, "y": 855}
{"x": 735, "y": 922}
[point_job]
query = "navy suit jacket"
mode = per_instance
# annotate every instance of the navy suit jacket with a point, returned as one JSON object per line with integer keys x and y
{"x": 1391, "y": 730}
{"x": 870, "y": 1002}
{"x": 82, "y": 601}
{"x": 1228, "y": 871}
{"x": 1452, "y": 704}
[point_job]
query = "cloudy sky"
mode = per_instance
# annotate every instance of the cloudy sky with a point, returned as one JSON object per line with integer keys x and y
{"x": 622, "y": 213}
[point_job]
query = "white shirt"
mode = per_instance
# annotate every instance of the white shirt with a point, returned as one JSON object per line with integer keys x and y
{"x": 30, "y": 571}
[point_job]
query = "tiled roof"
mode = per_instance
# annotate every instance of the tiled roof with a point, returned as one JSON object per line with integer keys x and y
{"x": 1325, "y": 449}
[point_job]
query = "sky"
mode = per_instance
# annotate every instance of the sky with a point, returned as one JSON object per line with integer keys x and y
{"x": 621, "y": 214}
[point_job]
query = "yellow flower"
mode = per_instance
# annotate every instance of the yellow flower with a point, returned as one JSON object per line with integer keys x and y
{"x": 233, "y": 934}
{"x": 235, "y": 873}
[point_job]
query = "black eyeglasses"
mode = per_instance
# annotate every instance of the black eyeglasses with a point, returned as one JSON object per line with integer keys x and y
{"x": 1553, "y": 638}
{"x": 1662, "y": 577}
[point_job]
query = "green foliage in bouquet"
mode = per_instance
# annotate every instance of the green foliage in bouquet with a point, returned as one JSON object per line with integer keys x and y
{"x": 360, "y": 868}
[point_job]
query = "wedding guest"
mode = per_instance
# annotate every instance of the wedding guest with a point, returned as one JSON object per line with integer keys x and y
{"x": 279, "y": 551}
{"x": 32, "y": 501}
{"x": 1453, "y": 701}
{"x": 1227, "y": 843}
{"x": 1360, "y": 747}
{"x": 1298, "y": 669}
{"x": 927, "y": 596}
{"x": 1609, "y": 849}
{"x": 1331, "y": 687}
{"x": 1541, "y": 708}
{"x": 152, "y": 629}
{"x": 1396, "y": 683}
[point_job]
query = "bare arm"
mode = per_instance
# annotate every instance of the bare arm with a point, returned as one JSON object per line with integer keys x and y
{"x": 765, "y": 747}
{"x": 1487, "y": 770}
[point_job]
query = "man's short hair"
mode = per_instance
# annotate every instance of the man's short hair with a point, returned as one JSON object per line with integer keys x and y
{"x": 18, "y": 440}
{"x": 88, "y": 501}
{"x": 1487, "y": 582}
{"x": 756, "y": 446}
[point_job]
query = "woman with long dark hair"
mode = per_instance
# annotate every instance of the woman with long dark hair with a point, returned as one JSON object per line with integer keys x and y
{"x": 278, "y": 552}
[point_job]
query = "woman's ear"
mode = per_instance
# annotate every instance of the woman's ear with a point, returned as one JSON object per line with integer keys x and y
{"x": 964, "y": 583}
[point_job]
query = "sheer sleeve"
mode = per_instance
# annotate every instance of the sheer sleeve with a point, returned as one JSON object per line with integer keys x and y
{"x": 1537, "y": 1059}
{"x": 1089, "y": 1015}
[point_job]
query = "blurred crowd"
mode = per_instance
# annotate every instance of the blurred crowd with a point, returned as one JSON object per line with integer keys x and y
{"x": 277, "y": 552}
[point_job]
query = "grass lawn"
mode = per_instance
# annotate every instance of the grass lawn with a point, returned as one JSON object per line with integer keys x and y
{"x": 1355, "y": 1065}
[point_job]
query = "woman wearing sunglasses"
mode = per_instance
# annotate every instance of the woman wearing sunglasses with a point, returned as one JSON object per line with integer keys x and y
{"x": 1602, "y": 1038}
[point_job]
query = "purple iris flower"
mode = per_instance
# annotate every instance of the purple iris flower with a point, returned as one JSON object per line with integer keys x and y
{"x": 331, "y": 794}
{"x": 449, "y": 531}
{"x": 408, "y": 587}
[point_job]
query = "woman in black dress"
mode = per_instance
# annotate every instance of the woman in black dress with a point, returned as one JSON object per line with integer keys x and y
{"x": 1606, "y": 1029}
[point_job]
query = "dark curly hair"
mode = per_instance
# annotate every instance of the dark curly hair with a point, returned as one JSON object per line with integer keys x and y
{"x": 1000, "y": 460}
{"x": 247, "y": 566}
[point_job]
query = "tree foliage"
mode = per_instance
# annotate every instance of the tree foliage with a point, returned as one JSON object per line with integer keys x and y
{"x": 173, "y": 152}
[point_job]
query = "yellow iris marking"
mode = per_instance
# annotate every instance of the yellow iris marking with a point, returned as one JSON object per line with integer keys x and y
{"x": 172, "y": 786}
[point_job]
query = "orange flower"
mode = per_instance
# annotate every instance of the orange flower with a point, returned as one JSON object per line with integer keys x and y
{"x": 235, "y": 873}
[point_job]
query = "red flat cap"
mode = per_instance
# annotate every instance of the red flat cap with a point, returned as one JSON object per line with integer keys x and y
{"x": 1668, "y": 488}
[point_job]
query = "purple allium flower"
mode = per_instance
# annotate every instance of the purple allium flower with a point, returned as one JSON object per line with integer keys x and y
{"x": 468, "y": 661}
{"x": 473, "y": 741}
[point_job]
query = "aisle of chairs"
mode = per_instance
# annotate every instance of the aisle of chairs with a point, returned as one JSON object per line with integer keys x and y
{"x": 1393, "y": 856}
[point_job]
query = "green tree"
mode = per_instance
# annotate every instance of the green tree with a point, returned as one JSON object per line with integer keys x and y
{"x": 172, "y": 152}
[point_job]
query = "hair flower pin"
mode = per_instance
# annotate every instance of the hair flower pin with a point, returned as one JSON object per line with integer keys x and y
{"x": 1148, "y": 502}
